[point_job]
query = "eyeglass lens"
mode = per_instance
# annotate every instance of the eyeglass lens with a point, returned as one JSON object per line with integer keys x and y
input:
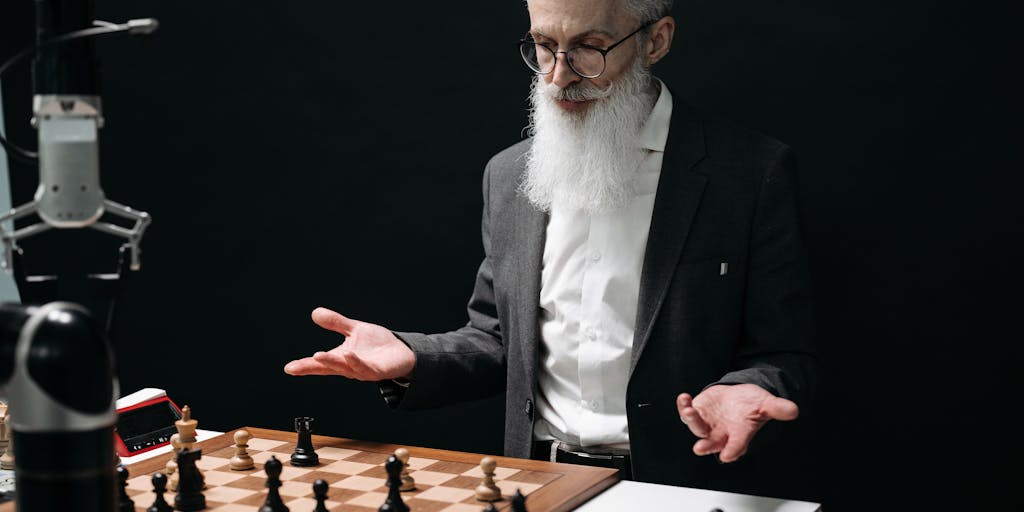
{"x": 587, "y": 62}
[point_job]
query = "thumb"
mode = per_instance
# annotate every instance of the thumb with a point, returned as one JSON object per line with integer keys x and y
{"x": 333, "y": 321}
{"x": 778, "y": 408}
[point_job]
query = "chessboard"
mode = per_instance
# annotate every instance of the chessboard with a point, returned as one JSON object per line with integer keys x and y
{"x": 354, "y": 471}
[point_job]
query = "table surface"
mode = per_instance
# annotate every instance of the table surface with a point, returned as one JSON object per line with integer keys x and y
{"x": 628, "y": 495}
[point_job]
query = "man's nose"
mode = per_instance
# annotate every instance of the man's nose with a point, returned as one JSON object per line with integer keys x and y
{"x": 563, "y": 75}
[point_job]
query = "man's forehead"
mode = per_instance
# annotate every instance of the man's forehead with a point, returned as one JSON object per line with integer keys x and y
{"x": 574, "y": 17}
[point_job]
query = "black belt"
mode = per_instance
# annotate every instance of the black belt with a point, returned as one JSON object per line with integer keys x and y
{"x": 542, "y": 451}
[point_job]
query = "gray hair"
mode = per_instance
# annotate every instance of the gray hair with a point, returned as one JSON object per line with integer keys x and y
{"x": 646, "y": 11}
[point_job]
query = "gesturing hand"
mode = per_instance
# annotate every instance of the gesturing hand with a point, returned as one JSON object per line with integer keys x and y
{"x": 726, "y": 417}
{"x": 370, "y": 352}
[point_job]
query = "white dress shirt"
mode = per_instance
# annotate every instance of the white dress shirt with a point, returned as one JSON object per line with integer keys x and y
{"x": 590, "y": 283}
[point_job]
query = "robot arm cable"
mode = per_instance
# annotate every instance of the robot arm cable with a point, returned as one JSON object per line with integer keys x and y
{"x": 135, "y": 26}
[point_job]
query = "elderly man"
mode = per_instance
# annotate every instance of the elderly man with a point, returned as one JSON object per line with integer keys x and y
{"x": 644, "y": 298}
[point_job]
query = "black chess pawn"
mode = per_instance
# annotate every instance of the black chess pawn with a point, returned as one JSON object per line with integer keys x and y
{"x": 304, "y": 455}
{"x": 190, "y": 481}
{"x": 320, "y": 495}
{"x": 159, "y": 481}
{"x": 394, "y": 501}
{"x": 273, "y": 503}
{"x": 518, "y": 502}
{"x": 125, "y": 502}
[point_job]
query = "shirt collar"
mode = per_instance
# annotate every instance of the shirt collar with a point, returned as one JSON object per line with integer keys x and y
{"x": 654, "y": 133}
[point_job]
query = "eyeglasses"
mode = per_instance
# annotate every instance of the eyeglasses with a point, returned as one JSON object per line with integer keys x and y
{"x": 585, "y": 61}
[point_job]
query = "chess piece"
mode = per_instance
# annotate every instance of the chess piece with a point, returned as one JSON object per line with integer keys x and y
{"x": 490, "y": 508}
{"x": 488, "y": 490}
{"x": 242, "y": 461}
{"x": 320, "y": 495}
{"x": 125, "y": 503}
{"x": 186, "y": 427}
{"x": 518, "y": 502}
{"x": 190, "y": 481}
{"x": 177, "y": 446}
{"x": 408, "y": 484}
{"x": 7, "y": 459}
{"x": 394, "y": 502}
{"x": 4, "y": 435}
{"x": 159, "y": 488}
{"x": 304, "y": 455}
{"x": 273, "y": 503}
{"x": 171, "y": 469}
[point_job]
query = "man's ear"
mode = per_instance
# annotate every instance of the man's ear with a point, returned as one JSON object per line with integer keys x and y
{"x": 659, "y": 40}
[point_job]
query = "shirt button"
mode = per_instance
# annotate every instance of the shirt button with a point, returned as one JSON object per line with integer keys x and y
{"x": 595, "y": 257}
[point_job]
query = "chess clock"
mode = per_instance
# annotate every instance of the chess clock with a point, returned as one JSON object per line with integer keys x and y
{"x": 145, "y": 421}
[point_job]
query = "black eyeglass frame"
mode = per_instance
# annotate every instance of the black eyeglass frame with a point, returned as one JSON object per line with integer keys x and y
{"x": 604, "y": 52}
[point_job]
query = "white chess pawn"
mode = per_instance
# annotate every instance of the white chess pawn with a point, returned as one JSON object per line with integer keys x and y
{"x": 242, "y": 461}
{"x": 7, "y": 459}
{"x": 488, "y": 490}
{"x": 408, "y": 484}
{"x": 171, "y": 470}
{"x": 176, "y": 445}
{"x": 3, "y": 427}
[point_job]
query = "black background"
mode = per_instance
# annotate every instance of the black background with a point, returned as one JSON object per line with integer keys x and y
{"x": 299, "y": 154}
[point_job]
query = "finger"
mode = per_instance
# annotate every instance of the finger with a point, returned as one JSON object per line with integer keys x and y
{"x": 692, "y": 418}
{"x": 713, "y": 443}
{"x": 359, "y": 366}
{"x": 709, "y": 445}
{"x": 736, "y": 446}
{"x": 683, "y": 401}
{"x": 778, "y": 408}
{"x": 307, "y": 366}
{"x": 335, "y": 362}
{"x": 333, "y": 321}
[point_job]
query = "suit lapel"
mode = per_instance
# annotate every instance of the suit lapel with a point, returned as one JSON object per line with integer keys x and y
{"x": 530, "y": 230}
{"x": 679, "y": 192}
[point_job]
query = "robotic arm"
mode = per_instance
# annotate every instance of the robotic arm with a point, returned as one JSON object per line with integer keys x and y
{"x": 56, "y": 362}
{"x": 67, "y": 113}
{"x": 57, "y": 370}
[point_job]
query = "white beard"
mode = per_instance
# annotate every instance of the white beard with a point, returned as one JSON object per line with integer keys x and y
{"x": 587, "y": 160}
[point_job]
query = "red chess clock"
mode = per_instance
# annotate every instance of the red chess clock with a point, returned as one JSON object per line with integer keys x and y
{"x": 145, "y": 421}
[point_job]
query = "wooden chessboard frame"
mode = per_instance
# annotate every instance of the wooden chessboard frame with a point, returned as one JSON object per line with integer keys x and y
{"x": 574, "y": 486}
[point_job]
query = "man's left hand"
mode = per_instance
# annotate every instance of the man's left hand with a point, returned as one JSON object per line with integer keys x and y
{"x": 726, "y": 417}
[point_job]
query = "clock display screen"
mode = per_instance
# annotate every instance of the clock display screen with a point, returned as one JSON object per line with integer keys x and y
{"x": 146, "y": 420}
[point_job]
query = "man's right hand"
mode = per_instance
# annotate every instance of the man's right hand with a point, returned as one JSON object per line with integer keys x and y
{"x": 370, "y": 352}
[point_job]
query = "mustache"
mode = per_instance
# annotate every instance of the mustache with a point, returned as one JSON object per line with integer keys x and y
{"x": 579, "y": 91}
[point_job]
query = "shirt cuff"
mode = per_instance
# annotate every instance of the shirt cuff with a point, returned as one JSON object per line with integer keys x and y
{"x": 393, "y": 391}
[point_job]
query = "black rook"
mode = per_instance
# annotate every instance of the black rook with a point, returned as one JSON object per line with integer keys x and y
{"x": 304, "y": 456}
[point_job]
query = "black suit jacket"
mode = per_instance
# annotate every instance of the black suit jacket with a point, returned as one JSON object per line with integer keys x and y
{"x": 726, "y": 195}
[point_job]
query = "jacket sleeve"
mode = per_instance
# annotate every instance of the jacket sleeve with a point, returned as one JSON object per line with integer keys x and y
{"x": 777, "y": 351}
{"x": 465, "y": 364}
